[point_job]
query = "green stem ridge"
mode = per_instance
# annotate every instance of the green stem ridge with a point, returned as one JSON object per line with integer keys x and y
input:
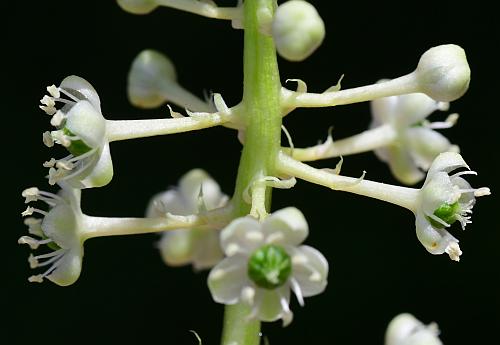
{"x": 261, "y": 102}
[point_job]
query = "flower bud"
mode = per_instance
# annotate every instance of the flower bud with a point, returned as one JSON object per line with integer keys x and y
{"x": 151, "y": 71}
{"x": 137, "y": 6}
{"x": 297, "y": 29}
{"x": 443, "y": 72}
{"x": 405, "y": 329}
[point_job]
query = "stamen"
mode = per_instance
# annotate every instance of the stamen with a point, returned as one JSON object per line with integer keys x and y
{"x": 48, "y": 110}
{"x": 31, "y": 194}
{"x": 57, "y": 119}
{"x": 453, "y": 250}
{"x": 450, "y": 121}
{"x": 53, "y": 258}
{"x": 53, "y": 91}
{"x": 33, "y": 243}
{"x": 30, "y": 241}
{"x": 61, "y": 138}
{"x": 47, "y": 139}
{"x": 483, "y": 191}
{"x": 65, "y": 165}
{"x": 28, "y": 212}
{"x": 465, "y": 172}
{"x": 70, "y": 95}
{"x": 48, "y": 101}
{"x": 61, "y": 173}
{"x": 34, "y": 226}
{"x": 294, "y": 284}
{"x": 36, "y": 279}
{"x": 39, "y": 277}
{"x": 50, "y": 164}
{"x": 439, "y": 220}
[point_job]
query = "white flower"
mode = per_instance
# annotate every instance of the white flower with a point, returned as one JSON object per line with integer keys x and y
{"x": 197, "y": 191}
{"x": 60, "y": 230}
{"x": 405, "y": 329}
{"x": 264, "y": 262}
{"x": 297, "y": 29}
{"x": 81, "y": 128}
{"x": 416, "y": 143}
{"x": 444, "y": 199}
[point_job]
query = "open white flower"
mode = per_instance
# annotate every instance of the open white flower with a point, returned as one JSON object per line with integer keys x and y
{"x": 443, "y": 200}
{"x": 415, "y": 143}
{"x": 60, "y": 230}
{"x": 405, "y": 329}
{"x": 264, "y": 262}
{"x": 81, "y": 128}
{"x": 197, "y": 191}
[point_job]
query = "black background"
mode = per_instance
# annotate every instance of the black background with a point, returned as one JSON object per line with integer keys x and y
{"x": 126, "y": 295}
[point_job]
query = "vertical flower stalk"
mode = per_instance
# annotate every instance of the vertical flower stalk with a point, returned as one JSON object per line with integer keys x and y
{"x": 261, "y": 101}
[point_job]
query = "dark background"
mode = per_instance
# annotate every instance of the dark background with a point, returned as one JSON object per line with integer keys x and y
{"x": 126, "y": 295}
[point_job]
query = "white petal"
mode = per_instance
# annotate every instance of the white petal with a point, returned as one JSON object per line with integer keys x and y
{"x": 437, "y": 190}
{"x": 61, "y": 225}
{"x": 434, "y": 240}
{"x": 383, "y": 109}
{"x": 100, "y": 174}
{"x": 196, "y": 180}
{"x": 85, "y": 121}
{"x": 286, "y": 226}
{"x": 241, "y": 235}
{"x": 271, "y": 304}
{"x": 447, "y": 162}
{"x": 207, "y": 251}
{"x": 169, "y": 201}
{"x": 310, "y": 269}
{"x": 402, "y": 165}
{"x": 176, "y": 247}
{"x": 426, "y": 144}
{"x": 415, "y": 107}
{"x": 79, "y": 84}
{"x": 465, "y": 198}
{"x": 227, "y": 279}
{"x": 68, "y": 269}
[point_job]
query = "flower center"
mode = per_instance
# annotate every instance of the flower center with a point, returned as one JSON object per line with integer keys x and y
{"x": 76, "y": 147}
{"x": 447, "y": 213}
{"x": 269, "y": 266}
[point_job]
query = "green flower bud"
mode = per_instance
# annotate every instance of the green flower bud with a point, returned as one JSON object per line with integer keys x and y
{"x": 138, "y": 6}
{"x": 297, "y": 29}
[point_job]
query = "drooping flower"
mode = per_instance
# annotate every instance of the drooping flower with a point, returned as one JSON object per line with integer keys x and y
{"x": 405, "y": 329}
{"x": 196, "y": 192}
{"x": 264, "y": 262}
{"x": 60, "y": 230}
{"x": 81, "y": 129}
{"x": 443, "y": 200}
{"x": 416, "y": 143}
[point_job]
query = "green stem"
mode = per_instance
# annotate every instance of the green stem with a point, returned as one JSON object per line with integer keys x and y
{"x": 261, "y": 102}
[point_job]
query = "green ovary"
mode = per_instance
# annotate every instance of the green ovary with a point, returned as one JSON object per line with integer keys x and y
{"x": 446, "y": 212}
{"x": 77, "y": 147}
{"x": 269, "y": 266}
